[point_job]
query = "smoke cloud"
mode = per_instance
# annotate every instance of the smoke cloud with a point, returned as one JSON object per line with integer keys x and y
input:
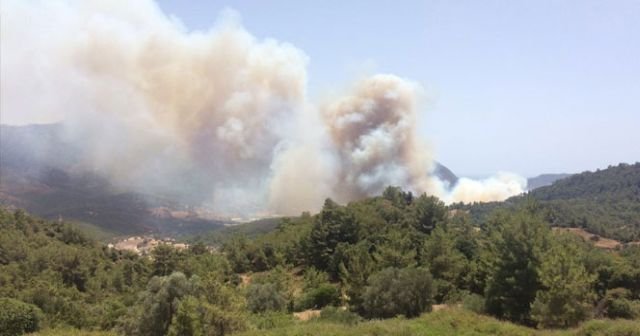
{"x": 495, "y": 188}
{"x": 373, "y": 130}
{"x": 216, "y": 117}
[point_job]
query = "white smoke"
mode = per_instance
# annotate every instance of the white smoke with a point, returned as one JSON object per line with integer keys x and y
{"x": 215, "y": 116}
{"x": 496, "y": 188}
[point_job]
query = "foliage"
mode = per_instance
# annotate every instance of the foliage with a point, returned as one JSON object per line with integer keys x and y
{"x": 453, "y": 321}
{"x": 605, "y": 202}
{"x": 394, "y": 292}
{"x": 474, "y": 303}
{"x": 318, "y": 292}
{"x": 339, "y": 315}
{"x": 271, "y": 320}
{"x": 17, "y": 317}
{"x": 159, "y": 303}
{"x": 334, "y": 225}
{"x": 618, "y": 303}
{"x": 265, "y": 297}
{"x": 378, "y": 257}
{"x": 447, "y": 264}
{"x": 321, "y": 296}
{"x": 566, "y": 297}
{"x": 517, "y": 241}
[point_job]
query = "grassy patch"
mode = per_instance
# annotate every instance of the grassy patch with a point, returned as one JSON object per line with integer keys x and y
{"x": 72, "y": 332}
{"x": 454, "y": 321}
{"x": 92, "y": 230}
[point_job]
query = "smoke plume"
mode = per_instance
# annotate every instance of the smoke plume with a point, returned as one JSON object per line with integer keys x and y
{"x": 217, "y": 117}
{"x": 373, "y": 131}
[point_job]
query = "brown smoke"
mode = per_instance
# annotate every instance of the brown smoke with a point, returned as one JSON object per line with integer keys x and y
{"x": 373, "y": 130}
{"x": 217, "y": 116}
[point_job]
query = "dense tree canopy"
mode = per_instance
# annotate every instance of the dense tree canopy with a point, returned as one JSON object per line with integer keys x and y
{"x": 379, "y": 257}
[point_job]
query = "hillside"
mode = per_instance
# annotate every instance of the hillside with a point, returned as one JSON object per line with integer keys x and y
{"x": 445, "y": 174}
{"x": 361, "y": 265}
{"x": 70, "y": 278}
{"x": 605, "y": 202}
{"x": 38, "y": 173}
{"x": 251, "y": 229}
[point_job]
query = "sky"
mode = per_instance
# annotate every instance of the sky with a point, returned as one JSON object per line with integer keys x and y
{"x": 525, "y": 86}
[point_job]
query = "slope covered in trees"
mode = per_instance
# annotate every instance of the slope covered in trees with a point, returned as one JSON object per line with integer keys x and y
{"x": 397, "y": 254}
{"x": 605, "y": 202}
{"x": 512, "y": 267}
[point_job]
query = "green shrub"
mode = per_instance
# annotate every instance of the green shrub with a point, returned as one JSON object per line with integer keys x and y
{"x": 474, "y": 303}
{"x": 339, "y": 315}
{"x": 322, "y": 296}
{"x": 393, "y": 292}
{"x": 271, "y": 320}
{"x": 265, "y": 297}
{"x": 623, "y": 308}
{"x": 609, "y": 328}
{"x": 619, "y": 305}
{"x": 17, "y": 317}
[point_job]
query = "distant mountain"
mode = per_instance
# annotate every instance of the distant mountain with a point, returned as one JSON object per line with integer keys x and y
{"x": 445, "y": 174}
{"x": 544, "y": 180}
{"x": 38, "y": 172}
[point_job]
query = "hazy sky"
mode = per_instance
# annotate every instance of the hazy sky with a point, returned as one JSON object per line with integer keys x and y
{"x": 524, "y": 86}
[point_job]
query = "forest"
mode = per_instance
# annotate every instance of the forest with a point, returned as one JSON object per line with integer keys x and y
{"x": 605, "y": 202}
{"x": 375, "y": 266}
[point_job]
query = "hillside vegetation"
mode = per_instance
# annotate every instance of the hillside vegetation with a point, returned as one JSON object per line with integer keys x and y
{"x": 363, "y": 264}
{"x": 454, "y": 321}
{"x": 605, "y": 202}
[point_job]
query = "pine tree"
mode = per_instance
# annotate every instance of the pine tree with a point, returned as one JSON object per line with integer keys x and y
{"x": 514, "y": 255}
{"x": 446, "y": 263}
{"x": 427, "y": 212}
{"x": 566, "y": 297}
{"x": 335, "y": 224}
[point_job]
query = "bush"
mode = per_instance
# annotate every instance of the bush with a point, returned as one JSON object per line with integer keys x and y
{"x": 271, "y": 320}
{"x": 17, "y": 317}
{"x": 394, "y": 291}
{"x": 339, "y": 315}
{"x": 474, "y": 303}
{"x": 265, "y": 297}
{"x": 609, "y": 328}
{"x": 623, "y": 308}
{"x": 618, "y": 304}
{"x": 322, "y": 296}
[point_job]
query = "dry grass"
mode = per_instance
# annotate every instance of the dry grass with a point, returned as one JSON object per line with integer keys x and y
{"x": 306, "y": 315}
{"x": 599, "y": 242}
